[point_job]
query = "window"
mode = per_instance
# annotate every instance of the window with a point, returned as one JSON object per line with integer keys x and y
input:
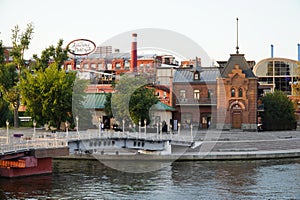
{"x": 182, "y": 94}
{"x": 197, "y": 94}
{"x": 127, "y": 65}
{"x": 100, "y": 66}
{"x": 93, "y": 66}
{"x": 141, "y": 68}
{"x": 240, "y": 92}
{"x": 196, "y": 76}
{"x": 118, "y": 65}
{"x": 209, "y": 94}
{"x": 232, "y": 92}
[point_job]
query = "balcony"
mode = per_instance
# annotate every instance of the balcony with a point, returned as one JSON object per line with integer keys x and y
{"x": 197, "y": 102}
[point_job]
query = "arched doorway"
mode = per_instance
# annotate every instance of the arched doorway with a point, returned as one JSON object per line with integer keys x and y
{"x": 236, "y": 116}
{"x": 236, "y": 120}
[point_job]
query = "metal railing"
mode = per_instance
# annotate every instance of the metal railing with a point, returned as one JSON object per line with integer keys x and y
{"x": 60, "y": 139}
{"x": 95, "y": 134}
{"x": 38, "y": 143}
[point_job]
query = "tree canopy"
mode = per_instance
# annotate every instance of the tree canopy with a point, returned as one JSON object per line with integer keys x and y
{"x": 48, "y": 94}
{"x": 20, "y": 43}
{"x": 52, "y": 54}
{"x": 279, "y": 112}
{"x": 132, "y": 100}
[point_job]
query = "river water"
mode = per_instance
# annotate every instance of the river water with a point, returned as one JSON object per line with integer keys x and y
{"x": 74, "y": 179}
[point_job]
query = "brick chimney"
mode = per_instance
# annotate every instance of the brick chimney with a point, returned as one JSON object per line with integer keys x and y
{"x": 133, "y": 60}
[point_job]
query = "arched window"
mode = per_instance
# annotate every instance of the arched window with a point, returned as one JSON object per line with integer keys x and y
{"x": 232, "y": 92}
{"x": 240, "y": 92}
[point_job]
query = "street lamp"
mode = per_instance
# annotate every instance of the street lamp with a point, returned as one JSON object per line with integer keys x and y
{"x": 191, "y": 132}
{"x": 123, "y": 121}
{"x": 77, "y": 119}
{"x": 145, "y": 125}
{"x": 160, "y": 126}
{"x": 140, "y": 126}
{"x": 100, "y": 124}
{"x": 34, "y": 125}
{"x": 67, "y": 130}
{"x": 7, "y": 134}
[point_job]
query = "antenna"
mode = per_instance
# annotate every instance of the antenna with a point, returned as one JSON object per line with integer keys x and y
{"x": 237, "y": 35}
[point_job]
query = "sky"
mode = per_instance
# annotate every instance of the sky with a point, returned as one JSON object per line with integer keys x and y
{"x": 209, "y": 23}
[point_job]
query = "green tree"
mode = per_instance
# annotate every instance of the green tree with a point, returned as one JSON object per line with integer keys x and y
{"x": 279, "y": 112}
{"x": 5, "y": 113}
{"x": 52, "y": 54}
{"x": 2, "y": 58}
{"x": 78, "y": 98}
{"x": 48, "y": 94}
{"x": 20, "y": 43}
{"x": 107, "y": 105}
{"x": 8, "y": 85}
{"x": 132, "y": 101}
{"x": 4, "y": 106}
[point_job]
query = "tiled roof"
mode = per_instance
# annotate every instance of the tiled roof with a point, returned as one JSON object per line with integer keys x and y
{"x": 237, "y": 59}
{"x": 187, "y": 76}
{"x": 97, "y": 101}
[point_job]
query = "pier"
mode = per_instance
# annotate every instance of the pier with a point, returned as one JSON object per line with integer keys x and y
{"x": 21, "y": 155}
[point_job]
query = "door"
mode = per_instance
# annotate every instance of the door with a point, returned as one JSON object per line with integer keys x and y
{"x": 236, "y": 120}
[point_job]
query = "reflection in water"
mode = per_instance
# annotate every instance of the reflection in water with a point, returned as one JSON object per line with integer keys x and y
{"x": 21, "y": 188}
{"x": 179, "y": 180}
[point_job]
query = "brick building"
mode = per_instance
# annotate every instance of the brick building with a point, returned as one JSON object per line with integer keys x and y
{"x": 218, "y": 98}
{"x": 237, "y": 95}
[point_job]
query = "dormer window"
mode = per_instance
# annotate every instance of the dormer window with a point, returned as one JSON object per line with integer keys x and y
{"x": 196, "y": 76}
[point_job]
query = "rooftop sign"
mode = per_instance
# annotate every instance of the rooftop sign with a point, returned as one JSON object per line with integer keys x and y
{"x": 81, "y": 47}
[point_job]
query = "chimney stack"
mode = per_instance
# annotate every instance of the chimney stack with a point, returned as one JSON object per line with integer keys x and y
{"x": 133, "y": 60}
{"x": 272, "y": 51}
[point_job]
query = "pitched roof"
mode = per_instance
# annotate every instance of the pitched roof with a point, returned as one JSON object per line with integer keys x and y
{"x": 187, "y": 76}
{"x": 97, "y": 101}
{"x": 237, "y": 59}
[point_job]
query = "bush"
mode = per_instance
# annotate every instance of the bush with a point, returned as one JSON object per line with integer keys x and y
{"x": 279, "y": 112}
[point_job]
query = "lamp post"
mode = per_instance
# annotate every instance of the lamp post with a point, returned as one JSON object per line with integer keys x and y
{"x": 140, "y": 126}
{"x": 123, "y": 121}
{"x": 77, "y": 119}
{"x": 160, "y": 127}
{"x": 34, "y": 125}
{"x": 100, "y": 124}
{"x": 191, "y": 132}
{"x": 67, "y": 130}
{"x": 145, "y": 125}
{"x": 7, "y": 134}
